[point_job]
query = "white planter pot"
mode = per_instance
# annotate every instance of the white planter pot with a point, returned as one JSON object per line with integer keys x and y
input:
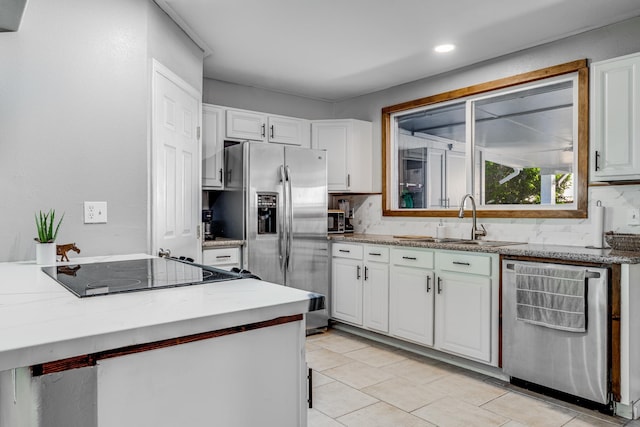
{"x": 45, "y": 253}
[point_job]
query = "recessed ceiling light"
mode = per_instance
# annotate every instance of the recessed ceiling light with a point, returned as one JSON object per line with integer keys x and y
{"x": 443, "y": 48}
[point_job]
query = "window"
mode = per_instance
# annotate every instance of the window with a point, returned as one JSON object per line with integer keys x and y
{"x": 519, "y": 145}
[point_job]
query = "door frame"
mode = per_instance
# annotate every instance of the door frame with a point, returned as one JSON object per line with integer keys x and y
{"x": 157, "y": 68}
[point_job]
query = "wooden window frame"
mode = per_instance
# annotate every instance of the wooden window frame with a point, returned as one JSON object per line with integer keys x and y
{"x": 581, "y": 207}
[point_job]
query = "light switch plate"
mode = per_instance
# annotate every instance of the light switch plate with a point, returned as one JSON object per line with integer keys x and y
{"x": 95, "y": 212}
{"x": 633, "y": 217}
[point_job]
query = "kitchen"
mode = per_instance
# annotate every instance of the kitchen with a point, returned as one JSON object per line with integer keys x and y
{"x": 75, "y": 159}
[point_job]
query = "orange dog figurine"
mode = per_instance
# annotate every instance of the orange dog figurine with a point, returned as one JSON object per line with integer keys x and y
{"x": 63, "y": 249}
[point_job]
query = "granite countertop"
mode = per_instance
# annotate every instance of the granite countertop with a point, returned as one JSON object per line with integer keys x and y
{"x": 41, "y": 321}
{"x": 568, "y": 253}
{"x": 221, "y": 242}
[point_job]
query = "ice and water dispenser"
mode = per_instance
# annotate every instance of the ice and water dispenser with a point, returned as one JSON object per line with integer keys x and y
{"x": 267, "y": 213}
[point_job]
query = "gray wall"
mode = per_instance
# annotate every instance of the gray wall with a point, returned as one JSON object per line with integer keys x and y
{"x": 251, "y": 98}
{"x": 74, "y": 119}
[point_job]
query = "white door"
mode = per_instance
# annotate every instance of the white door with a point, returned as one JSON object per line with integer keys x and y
{"x": 463, "y": 315}
{"x": 346, "y": 282}
{"x": 376, "y": 296}
{"x": 411, "y": 304}
{"x": 333, "y": 137}
{"x": 175, "y": 168}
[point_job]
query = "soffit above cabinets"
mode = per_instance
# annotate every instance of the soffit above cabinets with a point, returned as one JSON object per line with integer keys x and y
{"x": 11, "y": 14}
{"x": 334, "y": 49}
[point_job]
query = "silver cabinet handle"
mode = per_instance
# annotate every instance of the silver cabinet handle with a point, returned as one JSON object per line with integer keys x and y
{"x": 348, "y": 180}
{"x": 439, "y": 285}
{"x": 264, "y": 130}
{"x": 366, "y": 273}
{"x": 428, "y": 284}
{"x": 358, "y": 275}
{"x": 412, "y": 258}
{"x": 461, "y": 263}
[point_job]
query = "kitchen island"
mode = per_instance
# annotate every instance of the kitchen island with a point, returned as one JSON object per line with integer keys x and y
{"x": 224, "y": 353}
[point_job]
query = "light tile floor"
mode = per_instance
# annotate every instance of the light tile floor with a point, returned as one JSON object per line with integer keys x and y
{"x": 357, "y": 382}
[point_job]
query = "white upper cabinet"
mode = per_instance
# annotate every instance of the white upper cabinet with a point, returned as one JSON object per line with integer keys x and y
{"x": 255, "y": 126}
{"x": 212, "y": 146}
{"x": 615, "y": 119}
{"x": 246, "y": 125}
{"x": 348, "y": 144}
{"x": 288, "y": 130}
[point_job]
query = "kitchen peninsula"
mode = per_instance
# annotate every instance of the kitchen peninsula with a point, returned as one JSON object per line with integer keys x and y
{"x": 188, "y": 355}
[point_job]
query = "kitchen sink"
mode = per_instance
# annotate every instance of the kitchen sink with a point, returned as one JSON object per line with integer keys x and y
{"x": 430, "y": 239}
{"x": 492, "y": 243}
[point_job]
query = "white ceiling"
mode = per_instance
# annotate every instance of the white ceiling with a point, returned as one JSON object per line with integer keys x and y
{"x": 339, "y": 49}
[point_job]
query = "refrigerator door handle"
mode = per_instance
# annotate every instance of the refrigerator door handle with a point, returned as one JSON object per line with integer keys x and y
{"x": 289, "y": 211}
{"x": 282, "y": 234}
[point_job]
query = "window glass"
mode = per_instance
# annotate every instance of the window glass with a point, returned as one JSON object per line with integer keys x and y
{"x": 518, "y": 144}
{"x": 524, "y": 146}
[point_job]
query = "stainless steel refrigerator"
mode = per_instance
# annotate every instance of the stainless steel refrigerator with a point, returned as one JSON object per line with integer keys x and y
{"x": 277, "y": 195}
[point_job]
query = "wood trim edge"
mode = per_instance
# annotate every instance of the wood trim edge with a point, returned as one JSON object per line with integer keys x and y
{"x": 86, "y": 360}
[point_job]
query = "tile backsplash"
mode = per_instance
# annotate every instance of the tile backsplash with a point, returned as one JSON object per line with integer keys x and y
{"x": 617, "y": 200}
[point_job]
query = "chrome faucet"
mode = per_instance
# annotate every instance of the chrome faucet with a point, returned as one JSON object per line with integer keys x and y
{"x": 475, "y": 232}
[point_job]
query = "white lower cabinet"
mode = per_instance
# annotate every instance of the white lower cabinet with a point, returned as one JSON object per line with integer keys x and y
{"x": 224, "y": 258}
{"x": 447, "y": 300}
{"x": 376, "y": 288}
{"x": 466, "y": 308}
{"x": 360, "y": 285}
{"x": 346, "y": 281}
{"x": 463, "y": 315}
{"x": 411, "y": 295}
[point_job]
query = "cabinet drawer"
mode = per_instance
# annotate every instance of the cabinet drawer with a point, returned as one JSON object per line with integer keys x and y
{"x": 412, "y": 258}
{"x": 376, "y": 254}
{"x": 464, "y": 262}
{"x": 221, "y": 256}
{"x": 343, "y": 250}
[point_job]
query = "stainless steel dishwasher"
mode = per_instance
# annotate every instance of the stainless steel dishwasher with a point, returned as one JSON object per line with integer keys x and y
{"x": 555, "y": 327}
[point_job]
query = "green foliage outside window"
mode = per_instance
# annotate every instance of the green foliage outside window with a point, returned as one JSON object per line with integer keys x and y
{"x": 521, "y": 189}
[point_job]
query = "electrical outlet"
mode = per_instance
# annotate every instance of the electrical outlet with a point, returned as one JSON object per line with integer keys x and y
{"x": 95, "y": 212}
{"x": 633, "y": 217}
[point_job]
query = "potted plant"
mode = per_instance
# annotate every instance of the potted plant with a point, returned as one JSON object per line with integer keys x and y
{"x": 47, "y": 233}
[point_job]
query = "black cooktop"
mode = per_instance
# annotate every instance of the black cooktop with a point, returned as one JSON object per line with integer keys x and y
{"x": 102, "y": 278}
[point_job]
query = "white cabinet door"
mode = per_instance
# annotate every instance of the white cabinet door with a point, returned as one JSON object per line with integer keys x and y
{"x": 244, "y": 125}
{"x": 333, "y": 138}
{"x": 346, "y": 288}
{"x": 463, "y": 315}
{"x": 349, "y": 153}
{"x": 212, "y": 145}
{"x": 615, "y": 127}
{"x": 411, "y": 304}
{"x": 288, "y": 130}
{"x": 376, "y": 296}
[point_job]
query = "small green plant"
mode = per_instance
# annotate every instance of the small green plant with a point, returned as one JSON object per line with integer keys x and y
{"x": 45, "y": 224}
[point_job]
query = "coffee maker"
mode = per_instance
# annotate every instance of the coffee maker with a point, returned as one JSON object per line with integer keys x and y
{"x": 343, "y": 205}
{"x": 207, "y": 224}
